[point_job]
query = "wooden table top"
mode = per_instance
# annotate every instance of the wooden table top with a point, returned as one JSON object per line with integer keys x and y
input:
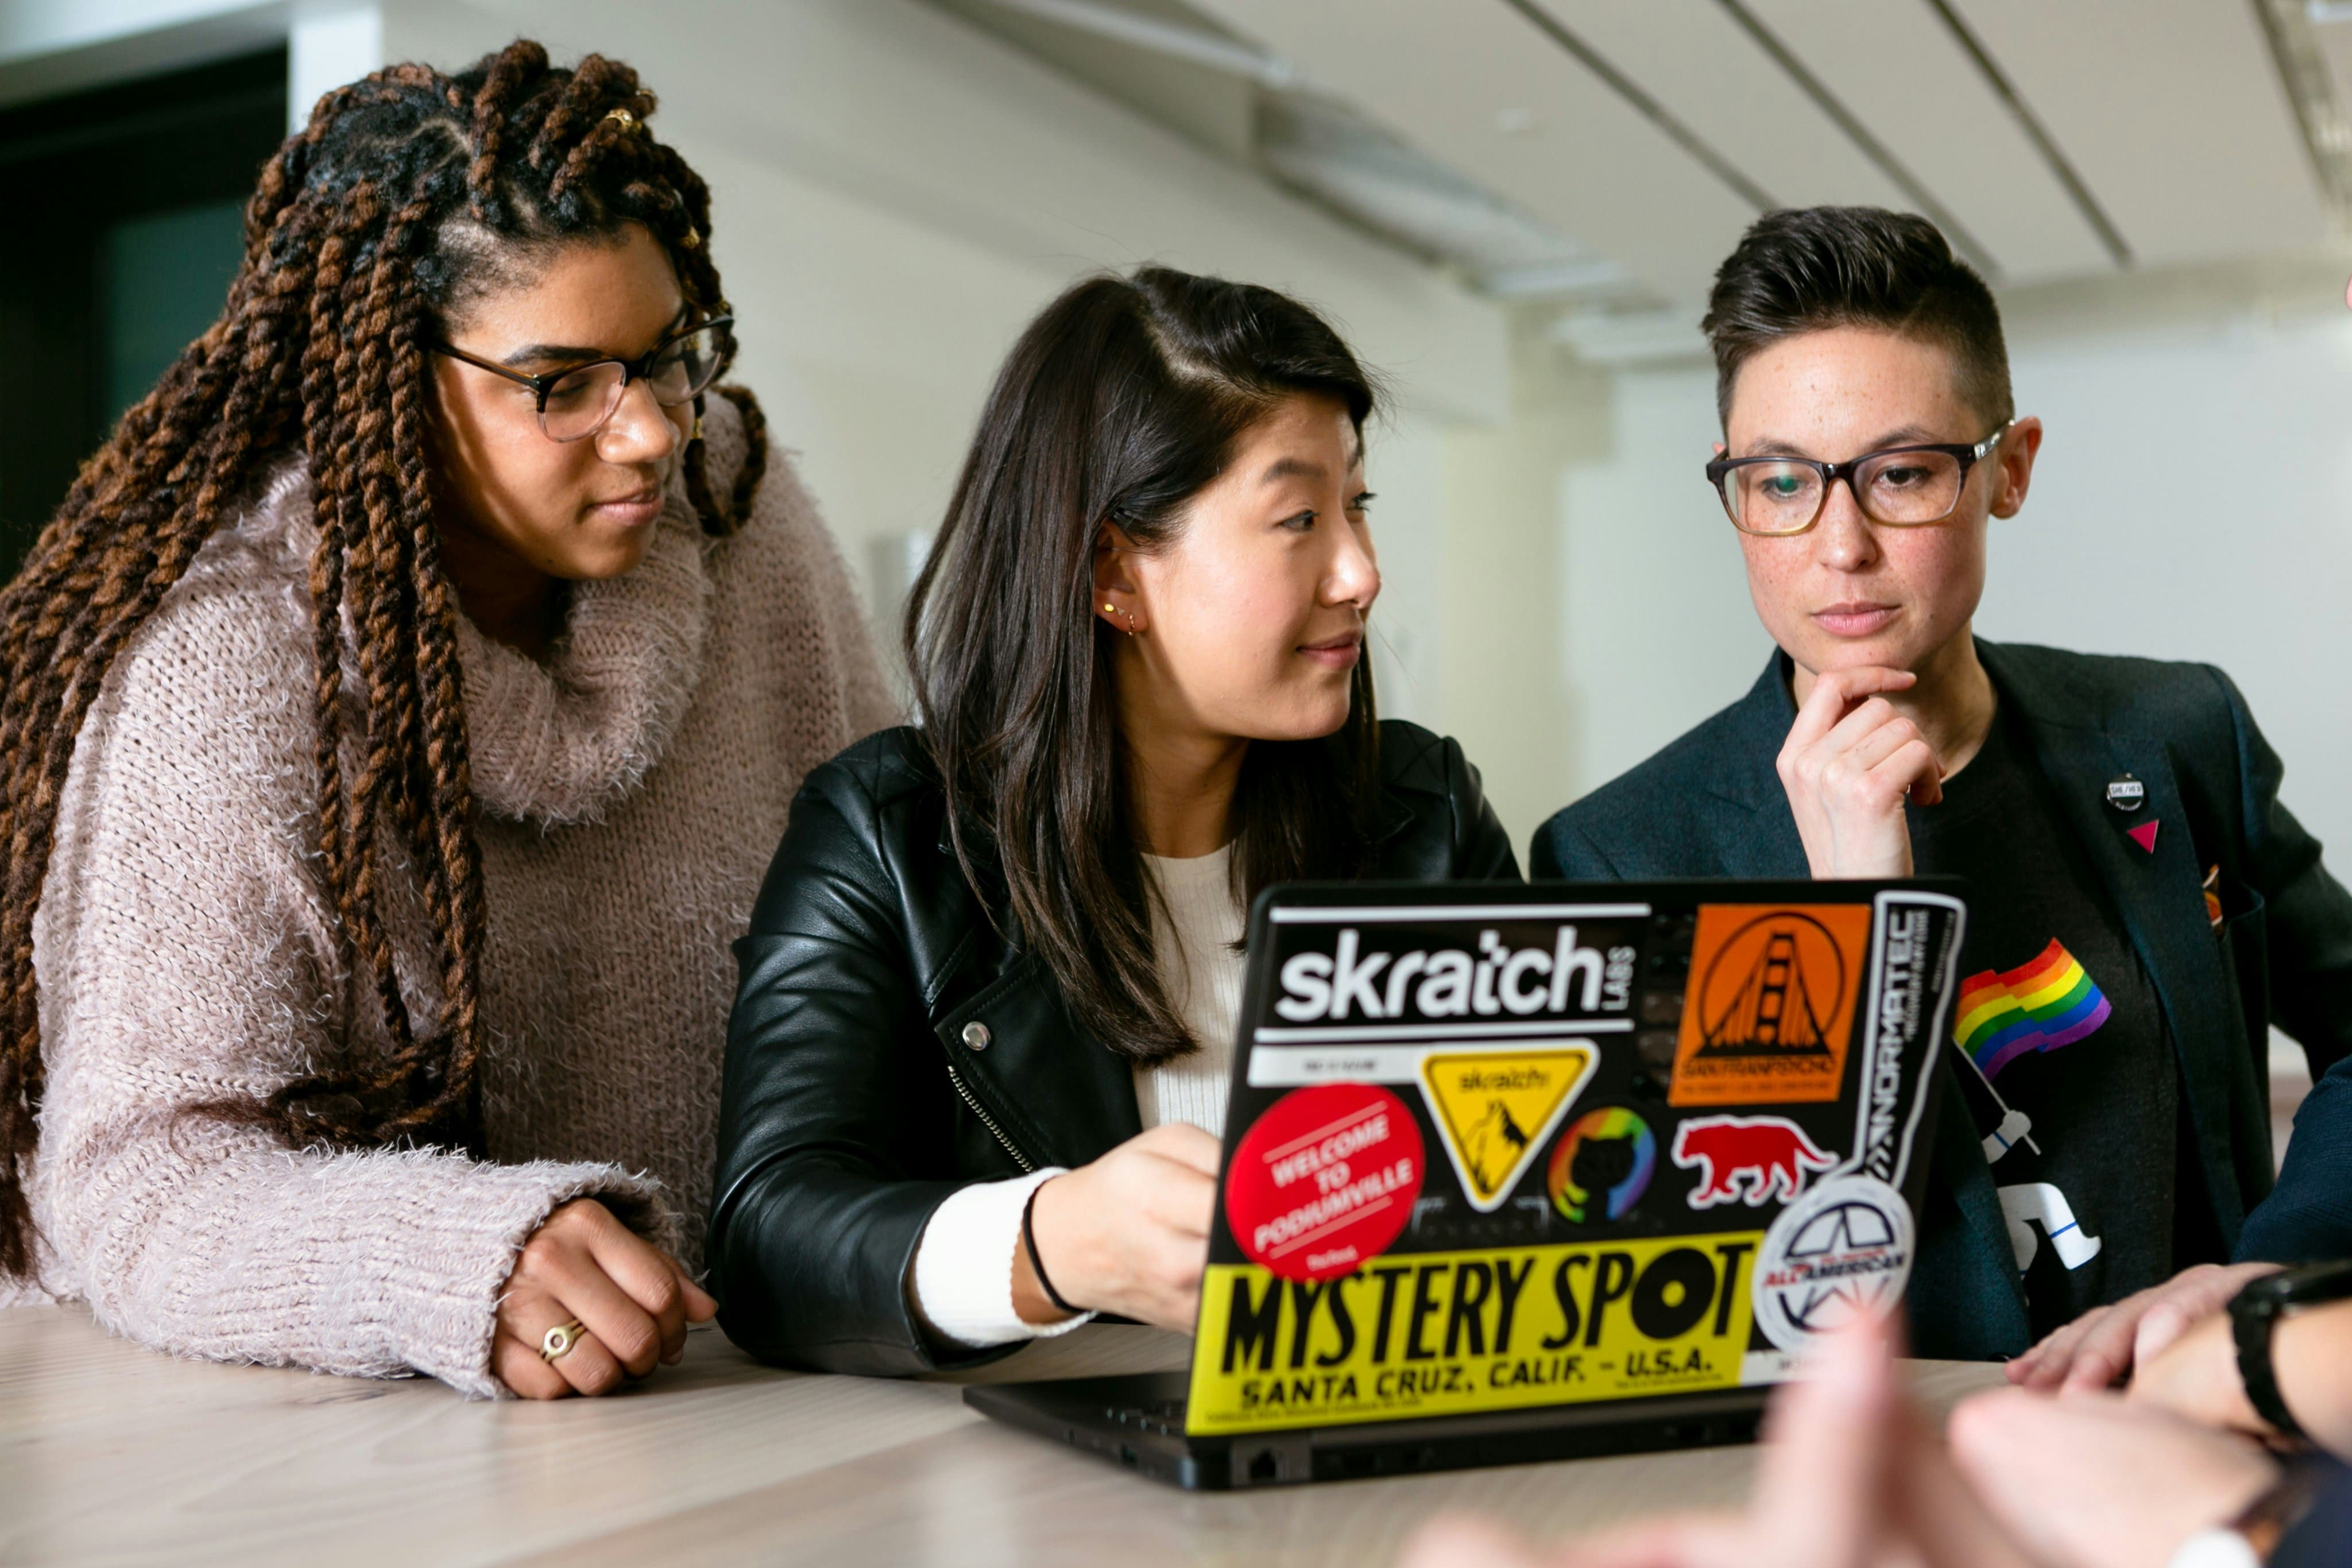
{"x": 113, "y": 1454}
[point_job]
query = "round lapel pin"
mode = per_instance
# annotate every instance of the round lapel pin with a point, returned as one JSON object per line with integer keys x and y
{"x": 2126, "y": 793}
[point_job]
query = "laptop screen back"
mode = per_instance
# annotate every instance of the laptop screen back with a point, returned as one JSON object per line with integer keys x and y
{"x": 1495, "y": 1147}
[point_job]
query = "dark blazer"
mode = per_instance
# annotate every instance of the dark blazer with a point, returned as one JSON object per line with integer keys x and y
{"x": 853, "y": 1103}
{"x": 1712, "y": 805}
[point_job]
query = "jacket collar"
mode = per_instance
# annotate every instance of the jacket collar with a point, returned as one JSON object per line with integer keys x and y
{"x": 1740, "y": 773}
{"x": 2157, "y": 895}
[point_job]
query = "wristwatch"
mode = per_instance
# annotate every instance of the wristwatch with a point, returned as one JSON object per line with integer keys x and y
{"x": 2255, "y": 1312}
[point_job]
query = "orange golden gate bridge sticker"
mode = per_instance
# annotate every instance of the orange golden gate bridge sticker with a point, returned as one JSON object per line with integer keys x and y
{"x": 1769, "y": 1014}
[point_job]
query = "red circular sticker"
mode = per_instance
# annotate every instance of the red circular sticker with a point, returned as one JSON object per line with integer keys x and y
{"x": 1323, "y": 1180}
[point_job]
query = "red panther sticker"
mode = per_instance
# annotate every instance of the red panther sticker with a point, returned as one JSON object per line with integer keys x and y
{"x": 1768, "y": 1156}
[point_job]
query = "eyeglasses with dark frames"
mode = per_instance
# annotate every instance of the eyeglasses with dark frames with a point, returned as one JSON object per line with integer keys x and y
{"x": 578, "y": 401}
{"x": 1901, "y": 487}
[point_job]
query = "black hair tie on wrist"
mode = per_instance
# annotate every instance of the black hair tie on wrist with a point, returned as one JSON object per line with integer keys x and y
{"x": 1037, "y": 1264}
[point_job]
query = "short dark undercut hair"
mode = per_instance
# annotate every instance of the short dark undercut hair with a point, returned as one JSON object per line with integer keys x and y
{"x": 1806, "y": 269}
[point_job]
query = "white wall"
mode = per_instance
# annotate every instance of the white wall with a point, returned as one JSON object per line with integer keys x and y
{"x": 1658, "y": 631}
{"x": 2194, "y": 501}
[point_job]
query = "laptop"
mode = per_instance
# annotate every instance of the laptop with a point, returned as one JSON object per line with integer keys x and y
{"x": 1516, "y": 1174}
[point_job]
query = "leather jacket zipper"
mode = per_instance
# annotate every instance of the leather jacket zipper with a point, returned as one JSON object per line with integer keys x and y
{"x": 988, "y": 1121}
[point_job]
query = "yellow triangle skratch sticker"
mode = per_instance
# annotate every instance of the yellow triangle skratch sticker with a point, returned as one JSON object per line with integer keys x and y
{"x": 1495, "y": 1109}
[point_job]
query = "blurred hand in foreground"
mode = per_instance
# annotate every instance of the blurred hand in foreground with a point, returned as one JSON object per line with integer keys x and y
{"x": 1850, "y": 1477}
{"x": 2090, "y": 1481}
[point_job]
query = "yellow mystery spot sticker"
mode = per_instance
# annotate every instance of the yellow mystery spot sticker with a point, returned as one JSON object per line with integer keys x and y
{"x": 1447, "y": 1333}
{"x": 1495, "y": 1109}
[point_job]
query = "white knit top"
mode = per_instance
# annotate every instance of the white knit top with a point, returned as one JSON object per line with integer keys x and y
{"x": 632, "y": 791}
{"x": 1197, "y": 937}
{"x": 963, "y": 1265}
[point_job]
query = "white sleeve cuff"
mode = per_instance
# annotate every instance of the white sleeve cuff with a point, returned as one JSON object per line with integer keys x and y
{"x": 963, "y": 1265}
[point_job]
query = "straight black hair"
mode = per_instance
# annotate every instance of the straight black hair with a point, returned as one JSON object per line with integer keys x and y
{"x": 1804, "y": 269}
{"x": 1120, "y": 404}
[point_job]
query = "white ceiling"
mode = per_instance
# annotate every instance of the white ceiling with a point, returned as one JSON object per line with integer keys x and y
{"x": 2179, "y": 125}
{"x": 1477, "y": 87}
{"x": 2056, "y": 137}
{"x": 1946, "y": 122}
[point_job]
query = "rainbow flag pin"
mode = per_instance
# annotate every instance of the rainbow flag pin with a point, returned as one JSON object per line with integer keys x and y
{"x": 2038, "y": 1006}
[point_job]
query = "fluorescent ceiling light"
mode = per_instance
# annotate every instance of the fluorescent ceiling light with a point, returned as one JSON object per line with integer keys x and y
{"x": 1196, "y": 44}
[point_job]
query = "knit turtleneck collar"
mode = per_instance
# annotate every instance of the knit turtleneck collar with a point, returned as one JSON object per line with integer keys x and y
{"x": 563, "y": 741}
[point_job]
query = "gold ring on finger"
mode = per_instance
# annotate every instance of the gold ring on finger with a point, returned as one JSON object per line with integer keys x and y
{"x": 559, "y": 1341}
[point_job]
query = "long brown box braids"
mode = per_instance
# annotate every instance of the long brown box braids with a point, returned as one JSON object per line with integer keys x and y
{"x": 405, "y": 194}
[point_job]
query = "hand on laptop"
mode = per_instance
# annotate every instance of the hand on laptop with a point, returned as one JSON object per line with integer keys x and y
{"x": 2106, "y": 1342}
{"x": 1850, "y": 1477}
{"x": 1128, "y": 1234}
{"x": 1849, "y": 764}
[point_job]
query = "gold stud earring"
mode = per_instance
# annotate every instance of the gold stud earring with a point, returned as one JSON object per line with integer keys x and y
{"x": 1108, "y": 608}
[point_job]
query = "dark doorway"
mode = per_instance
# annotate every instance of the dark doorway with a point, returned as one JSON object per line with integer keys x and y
{"x": 125, "y": 206}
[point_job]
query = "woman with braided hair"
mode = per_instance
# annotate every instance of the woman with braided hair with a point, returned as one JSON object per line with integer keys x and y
{"x": 400, "y": 710}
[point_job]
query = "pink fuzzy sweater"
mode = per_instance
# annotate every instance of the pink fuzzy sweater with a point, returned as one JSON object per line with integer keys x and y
{"x": 632, "y": 790}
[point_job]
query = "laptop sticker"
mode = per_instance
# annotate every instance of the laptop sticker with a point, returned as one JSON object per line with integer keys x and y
{"x": 1601, "y": 1165}
{"x": 1749, "y": 1159}
{"x": 1769, "y": 1013}
{"x": 1842, "y": 1250}
{"x": 1496, "y": 1110}
{"x": 2041, "y": 1201}
{"x": 1436, "y": 1333}
{"x": 1323, "y": 1180}
{"x": 2039, "y": 1005}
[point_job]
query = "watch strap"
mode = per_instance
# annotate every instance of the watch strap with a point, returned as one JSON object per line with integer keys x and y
{"x": 2252, "y": 1319}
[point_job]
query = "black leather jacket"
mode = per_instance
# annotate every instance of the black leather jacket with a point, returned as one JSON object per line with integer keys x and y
{"x": 854, "y": 1103}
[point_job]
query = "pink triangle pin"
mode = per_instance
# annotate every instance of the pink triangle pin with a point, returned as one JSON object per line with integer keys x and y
{"x": 2144, "y": 835}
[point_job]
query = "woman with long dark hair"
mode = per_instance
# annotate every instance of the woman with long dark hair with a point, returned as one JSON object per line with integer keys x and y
{"x": 399, "y": 712}
{"x": 991, "y": 982}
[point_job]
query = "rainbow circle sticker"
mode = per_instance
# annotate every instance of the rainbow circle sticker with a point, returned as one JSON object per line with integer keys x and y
{"x": 1601, "y": 1165}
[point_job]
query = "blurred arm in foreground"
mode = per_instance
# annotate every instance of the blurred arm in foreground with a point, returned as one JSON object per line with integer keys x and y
{"x": 1852, "y": 1476}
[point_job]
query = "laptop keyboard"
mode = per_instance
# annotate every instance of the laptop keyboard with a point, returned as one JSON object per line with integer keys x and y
{"x": 1163, "y": 1419}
